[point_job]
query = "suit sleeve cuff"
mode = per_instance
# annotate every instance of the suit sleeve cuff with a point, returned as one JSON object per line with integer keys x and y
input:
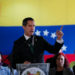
{"x": 60, "y": 41}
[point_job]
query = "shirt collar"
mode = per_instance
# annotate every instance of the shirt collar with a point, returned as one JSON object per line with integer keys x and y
{"x": 26, "y": 37}
{"x": 1, "y": 67}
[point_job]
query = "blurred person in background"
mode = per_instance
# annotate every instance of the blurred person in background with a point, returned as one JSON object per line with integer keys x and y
{"x": 61, "y": 65}
{"x": 3, "y": 70}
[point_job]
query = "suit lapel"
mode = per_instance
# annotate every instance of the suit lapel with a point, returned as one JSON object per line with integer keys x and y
{"x": 35, "y": 44}
{"x": 26, "y": 44}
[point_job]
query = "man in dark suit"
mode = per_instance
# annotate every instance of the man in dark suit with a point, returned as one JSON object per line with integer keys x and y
{"x": 30, "y": 48}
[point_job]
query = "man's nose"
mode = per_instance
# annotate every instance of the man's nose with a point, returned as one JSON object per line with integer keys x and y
{"x": 33, "y": 27}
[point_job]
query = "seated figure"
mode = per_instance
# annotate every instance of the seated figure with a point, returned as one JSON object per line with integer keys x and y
{"x": 3, "y": 70}
{"x": 61, "y": 66}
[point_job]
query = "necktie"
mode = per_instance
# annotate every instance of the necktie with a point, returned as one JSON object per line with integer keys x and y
{"x": 32, "y": 48}
{"x": 29, "y": 41}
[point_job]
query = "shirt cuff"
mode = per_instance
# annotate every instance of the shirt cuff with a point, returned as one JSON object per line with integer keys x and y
{"x": 60, "y": 41}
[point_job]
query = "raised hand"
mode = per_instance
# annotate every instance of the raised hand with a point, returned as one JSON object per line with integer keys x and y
{"x": 59, "y": 33}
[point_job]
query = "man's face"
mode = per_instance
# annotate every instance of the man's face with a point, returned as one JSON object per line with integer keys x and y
{"x": 29, "y": 28}
{"x": 60, "y": 61}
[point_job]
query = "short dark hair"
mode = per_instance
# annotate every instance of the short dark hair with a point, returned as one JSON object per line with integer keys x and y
{"x": 24, "y": 23}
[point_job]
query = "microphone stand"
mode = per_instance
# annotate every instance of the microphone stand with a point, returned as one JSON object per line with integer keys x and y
{"x": 11, "y": 70}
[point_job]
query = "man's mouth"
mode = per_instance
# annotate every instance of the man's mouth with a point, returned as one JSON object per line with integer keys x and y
{"x": 31, "y": 31}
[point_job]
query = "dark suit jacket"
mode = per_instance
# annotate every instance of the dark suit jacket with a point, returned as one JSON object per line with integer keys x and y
{"x": 66, "y": 71}
{"x": 21, "y": 50}
{"x": 74, "y": 69}
{"x": 51, "y": 61}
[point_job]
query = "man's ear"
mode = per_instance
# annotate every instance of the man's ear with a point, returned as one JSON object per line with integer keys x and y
{"x": 23, "y": 27}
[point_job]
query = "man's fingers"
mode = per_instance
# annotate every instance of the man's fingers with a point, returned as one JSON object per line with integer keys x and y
{"x": 61, "y": 28}
{"x": 26, "y": 62}
{"x": 58, "y": 32}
